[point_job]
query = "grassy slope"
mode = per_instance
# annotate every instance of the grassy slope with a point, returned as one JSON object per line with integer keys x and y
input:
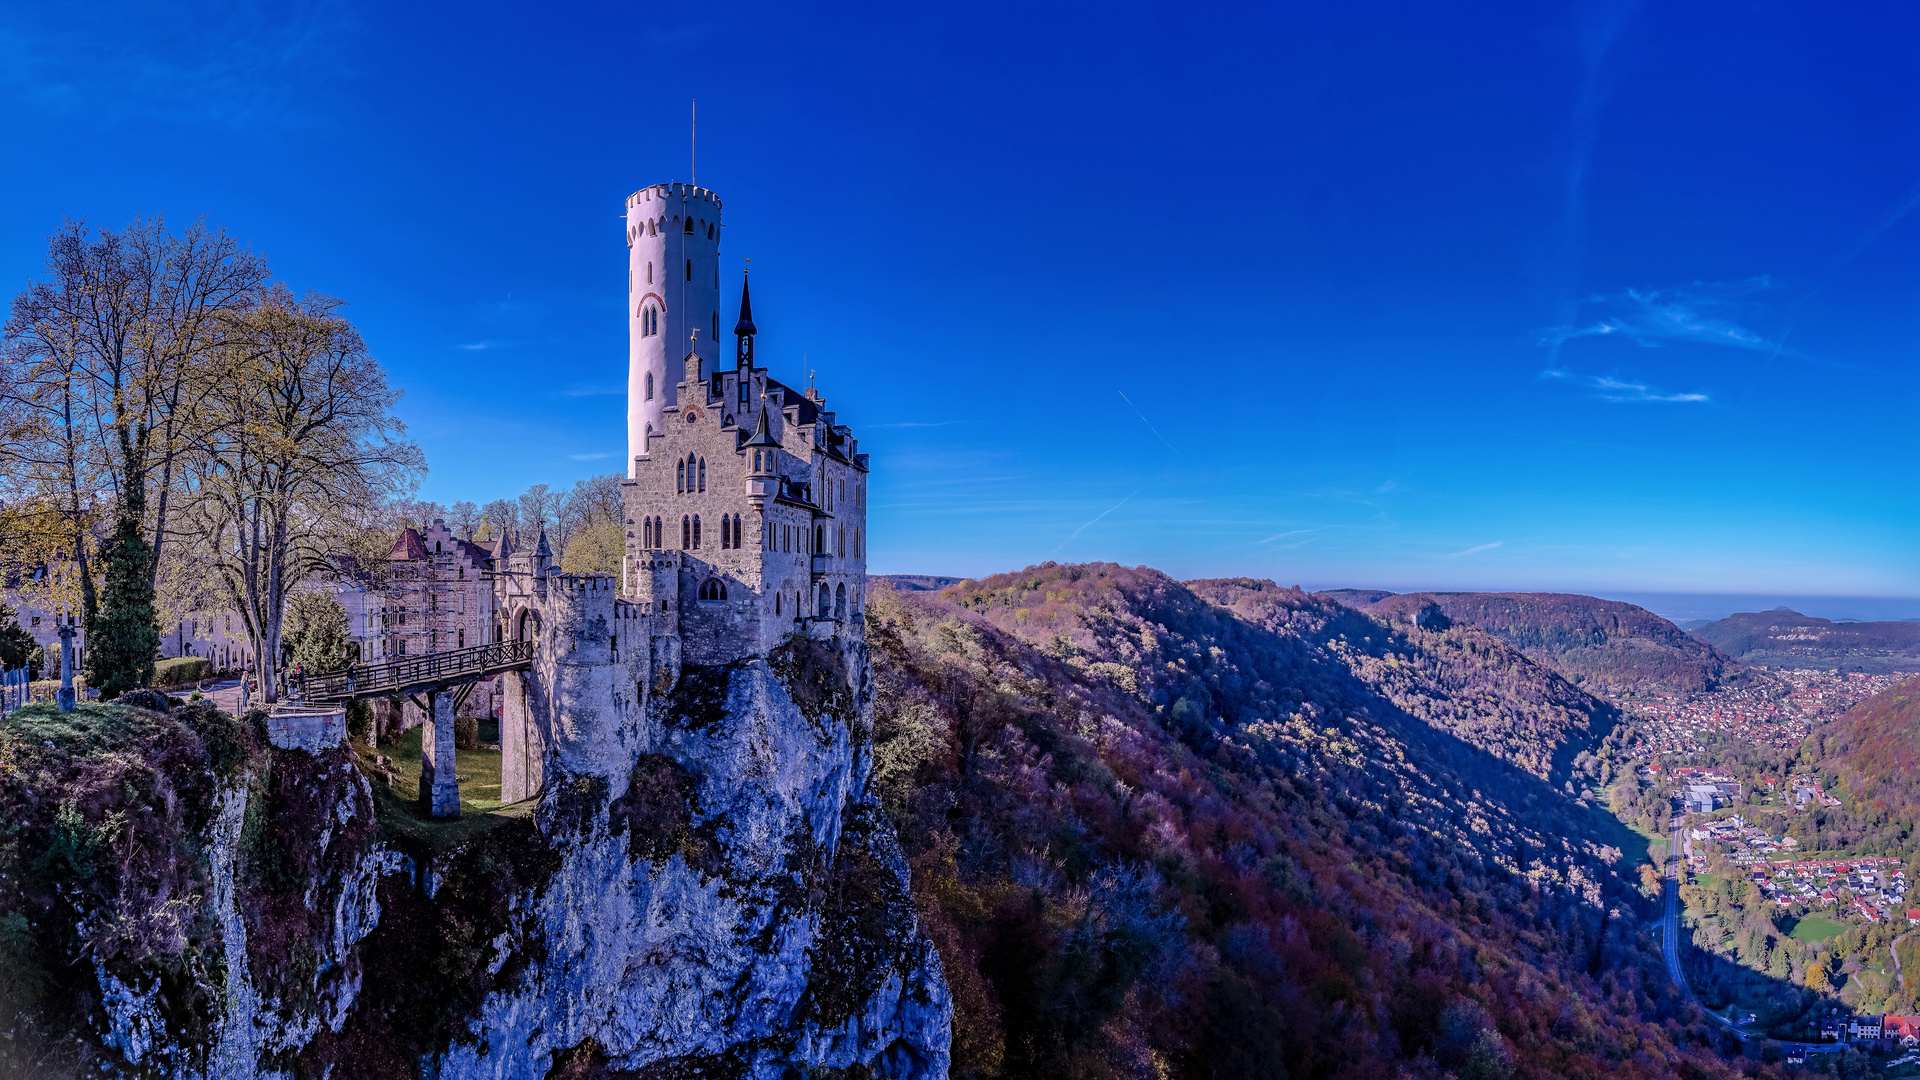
{"x": 478, "y": 770}
{"x": 1816, "y": 928}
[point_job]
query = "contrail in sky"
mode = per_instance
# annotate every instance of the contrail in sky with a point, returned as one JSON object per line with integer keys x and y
{"x": 1150, "y": 427}
{"x": 1103, "y": 513}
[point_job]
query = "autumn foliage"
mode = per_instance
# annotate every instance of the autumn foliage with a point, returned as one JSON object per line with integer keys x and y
{"x": 1229, "y": 829}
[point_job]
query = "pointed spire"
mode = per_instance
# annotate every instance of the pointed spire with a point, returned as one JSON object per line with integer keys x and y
{"x": 743, "y": 330}
{"x": 543, "y": 551}
{"x": 762, "y": 432}
{"x": 745, "y": 325}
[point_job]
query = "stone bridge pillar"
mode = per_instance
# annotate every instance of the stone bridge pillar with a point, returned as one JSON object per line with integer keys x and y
{"x": 439, "y": 785}
{"x": 522, "y": 750}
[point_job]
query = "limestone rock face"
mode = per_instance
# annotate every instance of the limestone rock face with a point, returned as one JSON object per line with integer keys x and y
{"x": 728, "y": 902}
{"x": 735, "y": 902}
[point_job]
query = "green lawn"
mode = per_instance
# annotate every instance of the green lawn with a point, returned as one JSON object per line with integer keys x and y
{"x": 1815, "y": 929}
{"x": 478, "y": 770}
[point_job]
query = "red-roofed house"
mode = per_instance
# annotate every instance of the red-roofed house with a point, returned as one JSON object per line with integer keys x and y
{"x": 439, "y": 594}
{"x": 1904, "y": 1030}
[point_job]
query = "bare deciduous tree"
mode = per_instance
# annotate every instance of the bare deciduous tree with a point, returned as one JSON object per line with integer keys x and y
{"x": 463, "y": 518}
{"x": 304, "y": 440}
{"x": 106, "y": 361}
{"x": 504, "y": 516}
{"x": 539, "y": 505}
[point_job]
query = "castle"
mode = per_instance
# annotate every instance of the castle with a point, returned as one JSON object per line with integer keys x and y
{"x": 745, "y": 514}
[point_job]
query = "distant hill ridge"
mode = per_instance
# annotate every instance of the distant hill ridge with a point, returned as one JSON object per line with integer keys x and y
{"x": 915, "y": 582}
{"x": 1584, "y": 638}
{"x": 1783, "y": 637}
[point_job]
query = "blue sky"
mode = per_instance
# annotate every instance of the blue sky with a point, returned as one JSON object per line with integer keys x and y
{"x": 1600, "y": 297}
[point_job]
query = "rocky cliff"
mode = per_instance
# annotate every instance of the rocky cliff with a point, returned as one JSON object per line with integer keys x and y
{"x": 183, "y": 899}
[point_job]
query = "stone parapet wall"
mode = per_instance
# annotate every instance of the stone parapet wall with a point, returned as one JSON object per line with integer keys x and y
{"x": 313, "y": 729}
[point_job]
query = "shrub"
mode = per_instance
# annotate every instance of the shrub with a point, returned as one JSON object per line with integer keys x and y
{"x": 360, "y": 721}
{"x": 181, "y": 669}
{"x": 45, "y": 689}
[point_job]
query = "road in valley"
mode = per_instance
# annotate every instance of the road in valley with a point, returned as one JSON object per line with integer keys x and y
{"x": 1670, "y": 945}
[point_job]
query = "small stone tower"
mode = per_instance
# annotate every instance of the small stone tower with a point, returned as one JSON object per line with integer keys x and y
{"x": 673, "y": 290}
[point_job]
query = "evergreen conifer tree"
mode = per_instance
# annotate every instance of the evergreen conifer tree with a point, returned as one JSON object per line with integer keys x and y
{"x": 315, "y": 632}
{"x": 125, "y": 635}
{"x": 16, "y": 645}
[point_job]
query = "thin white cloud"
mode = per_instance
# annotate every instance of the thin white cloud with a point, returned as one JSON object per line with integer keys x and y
{"x": 1476, "y": 550}
{"x": 594, "y": 391}
{"x": 1386, "y": 487}
{"x": 938, "y": 423}
{"x": 1704, "y": 313}
{"x": 1284, "y": 535}
{"x": 242, "y": 65}
{"x": 590, "y": 457}
{"x": 1608, "y": 388}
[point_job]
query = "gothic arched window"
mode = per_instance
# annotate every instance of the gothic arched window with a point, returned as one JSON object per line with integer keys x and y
{"x": 726, "y": 533}
{"x": 709, "y": 232}
{"x": 659, "y": 533}
{"x": 703, "y": 474}
{"x": 840, "y": 542}
{"x": 696, "y": 530}
{"x": 713, "y": 589}
{"x": 649, "y": 386}
{"x": 686, "y": 532}
{"x": 826, "y": 602}
{"x": 646, "y": 529}
{"x": 776, "y": 603}
{"x": 689, "y": 228}
{"x": 839, "y": 601}
{"x": 680, "y": 477}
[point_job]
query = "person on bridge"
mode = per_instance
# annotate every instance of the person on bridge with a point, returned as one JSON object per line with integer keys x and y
{"x": 350, "y": 667}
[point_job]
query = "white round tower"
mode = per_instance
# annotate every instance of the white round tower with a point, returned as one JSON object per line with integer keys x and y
{"x": 673, "y": 289}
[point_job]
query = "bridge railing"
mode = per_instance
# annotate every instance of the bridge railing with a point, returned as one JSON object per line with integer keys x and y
{"x": 397, "y": 675}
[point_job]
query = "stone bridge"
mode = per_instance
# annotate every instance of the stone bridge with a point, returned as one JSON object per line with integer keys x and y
{"x": 439, "y": 684}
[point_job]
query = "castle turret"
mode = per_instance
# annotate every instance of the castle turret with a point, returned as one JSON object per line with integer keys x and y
{"x": 763, "y": 462}
{"x": 673, "y": 289}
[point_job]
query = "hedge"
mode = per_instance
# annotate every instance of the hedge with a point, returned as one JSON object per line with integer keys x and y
{"x": 181, "y": 669}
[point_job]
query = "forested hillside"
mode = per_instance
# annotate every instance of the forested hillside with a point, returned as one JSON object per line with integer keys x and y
{"x": 1606, "y": 643}
{"x": 1872, "y": 754}
{"x": 1786, "y": 638}
{"x": 1228, "y": 829}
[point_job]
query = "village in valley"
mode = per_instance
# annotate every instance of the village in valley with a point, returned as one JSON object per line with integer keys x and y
{"x": 1778, "y": 711}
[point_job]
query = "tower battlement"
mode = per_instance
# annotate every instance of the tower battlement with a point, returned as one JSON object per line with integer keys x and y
{"x": 673, "y": 189}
